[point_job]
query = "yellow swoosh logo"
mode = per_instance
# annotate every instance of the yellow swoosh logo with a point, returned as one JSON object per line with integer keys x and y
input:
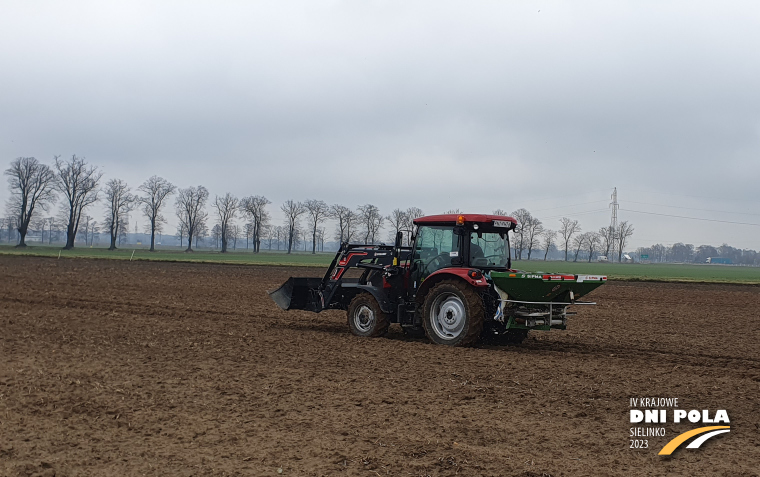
{"x": 681, "y": 438}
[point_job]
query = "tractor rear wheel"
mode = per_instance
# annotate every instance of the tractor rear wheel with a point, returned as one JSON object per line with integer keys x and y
{"x": 365, "y": 318}
{"x": 453, "y": 314}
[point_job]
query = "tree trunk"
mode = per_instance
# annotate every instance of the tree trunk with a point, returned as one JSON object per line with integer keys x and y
{"x": 224, "y": 243}
{"x": 70, "y": 235}
{"x": 153, "y": 235}
{"x": 189, "y": 242}
{"x": 314, "y": 241}
{"x": 22, "y": 230}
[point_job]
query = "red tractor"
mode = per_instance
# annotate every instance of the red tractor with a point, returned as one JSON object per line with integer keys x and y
{"x": 455, "y": 284}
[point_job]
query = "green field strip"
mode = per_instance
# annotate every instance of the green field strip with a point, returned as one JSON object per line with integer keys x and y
{"x": 665, "y": 272}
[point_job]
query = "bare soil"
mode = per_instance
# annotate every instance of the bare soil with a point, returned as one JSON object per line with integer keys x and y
{"x": 149, "y": 368}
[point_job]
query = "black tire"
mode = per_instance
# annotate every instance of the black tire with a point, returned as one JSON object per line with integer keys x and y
{"x": 365, "y": 318}
{"x": 453, "y": 314}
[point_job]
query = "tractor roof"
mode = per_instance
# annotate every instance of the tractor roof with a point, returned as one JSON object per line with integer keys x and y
{"x": 446, "y": 219}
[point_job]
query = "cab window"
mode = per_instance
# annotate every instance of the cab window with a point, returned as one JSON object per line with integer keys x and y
{"x": 435, "y": 248}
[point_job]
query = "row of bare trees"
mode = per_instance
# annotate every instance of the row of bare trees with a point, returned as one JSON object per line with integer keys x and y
{"x": 35, "y": 186}
{"x": 531, "y": 235}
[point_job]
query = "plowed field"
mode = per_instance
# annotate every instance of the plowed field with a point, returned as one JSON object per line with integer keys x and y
{"x": 149, "y": 368}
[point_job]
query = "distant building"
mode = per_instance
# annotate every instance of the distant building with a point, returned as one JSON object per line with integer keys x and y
{"x": 720, "y": 260}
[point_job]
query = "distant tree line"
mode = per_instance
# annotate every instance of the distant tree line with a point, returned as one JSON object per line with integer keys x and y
{"x": 77, "y": 185}
{"x": 688, "y": 253}
{"x": 35, "y": 187}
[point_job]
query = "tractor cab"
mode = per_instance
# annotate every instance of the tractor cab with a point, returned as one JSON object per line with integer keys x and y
{"x": 466, "y": 241}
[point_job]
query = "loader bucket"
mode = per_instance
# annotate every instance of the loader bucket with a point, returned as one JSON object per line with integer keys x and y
{"x": 298, "y": 294}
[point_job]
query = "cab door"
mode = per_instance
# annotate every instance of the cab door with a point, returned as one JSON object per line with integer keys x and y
{"x": 435, "y": 247}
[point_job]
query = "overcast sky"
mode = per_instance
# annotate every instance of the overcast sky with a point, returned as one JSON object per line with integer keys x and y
{"x": 440, "y": 105}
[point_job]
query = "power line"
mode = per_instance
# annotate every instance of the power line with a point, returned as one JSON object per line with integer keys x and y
{"x": 572, "y": 205}
{"x": 577, "y": 213}
{"x": 691, "y": 218}
{"x": 565, "y": 196}
{"x": 691, "y": 208}
{"x": 692, "y": 196}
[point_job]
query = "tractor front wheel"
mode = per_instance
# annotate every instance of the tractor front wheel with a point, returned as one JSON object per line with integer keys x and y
{"x": 365, "y": 318}
{"x": 453, "y": 314}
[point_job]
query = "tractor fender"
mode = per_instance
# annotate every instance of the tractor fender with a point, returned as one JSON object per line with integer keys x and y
{"x": 448, "y": 273}
{"x": 382, "y": 298}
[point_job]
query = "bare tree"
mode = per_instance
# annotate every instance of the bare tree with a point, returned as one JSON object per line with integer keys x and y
{"x": 293, "y": 211}
{"x": 279, "y": 233}
{"x": 38, "y": 225}
{"x": 255, "y": 208}
{"x": 524, "y": 219}
{"x": 181, "y": 230}
{"x": 398, "y": 221}
{"x": 318, "y": 211}
{"x": 593, "y": 240}
{"x": 342, "y": 215}
{"x": 624, "y": 231}
{"x": 352, "y": 225}
{"x": 578, "y": 242}
{"x": 32, "y": 186}
{"x": 321, "y": 239}
{"x": 156, "y": 190}
{"x": 10, "y": 224}
{"x": 84, "y": 227}
{"x": 412, "y": 213}
{"x": 216, "y": 234}
{"x": 120, "y": 202}
{"x": 123, "y": 229}
{"x": 567, "y": 229}
{"x": 248, "y": 229}
{"x": 54, "y": 229}
{"x": 607, "y": 237}
{"x": 78, "y": 183}
{"x": 533, "y": 230}
{"x": 347, "y": 222}
{"x": 190, "y": 204}
{"x": 226, "y": 208}
{"x": 372, "y": 220}
{"x": 201, "y": 232}
{"x": 234, "y": 233}
{"x": 548, "y": 240}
